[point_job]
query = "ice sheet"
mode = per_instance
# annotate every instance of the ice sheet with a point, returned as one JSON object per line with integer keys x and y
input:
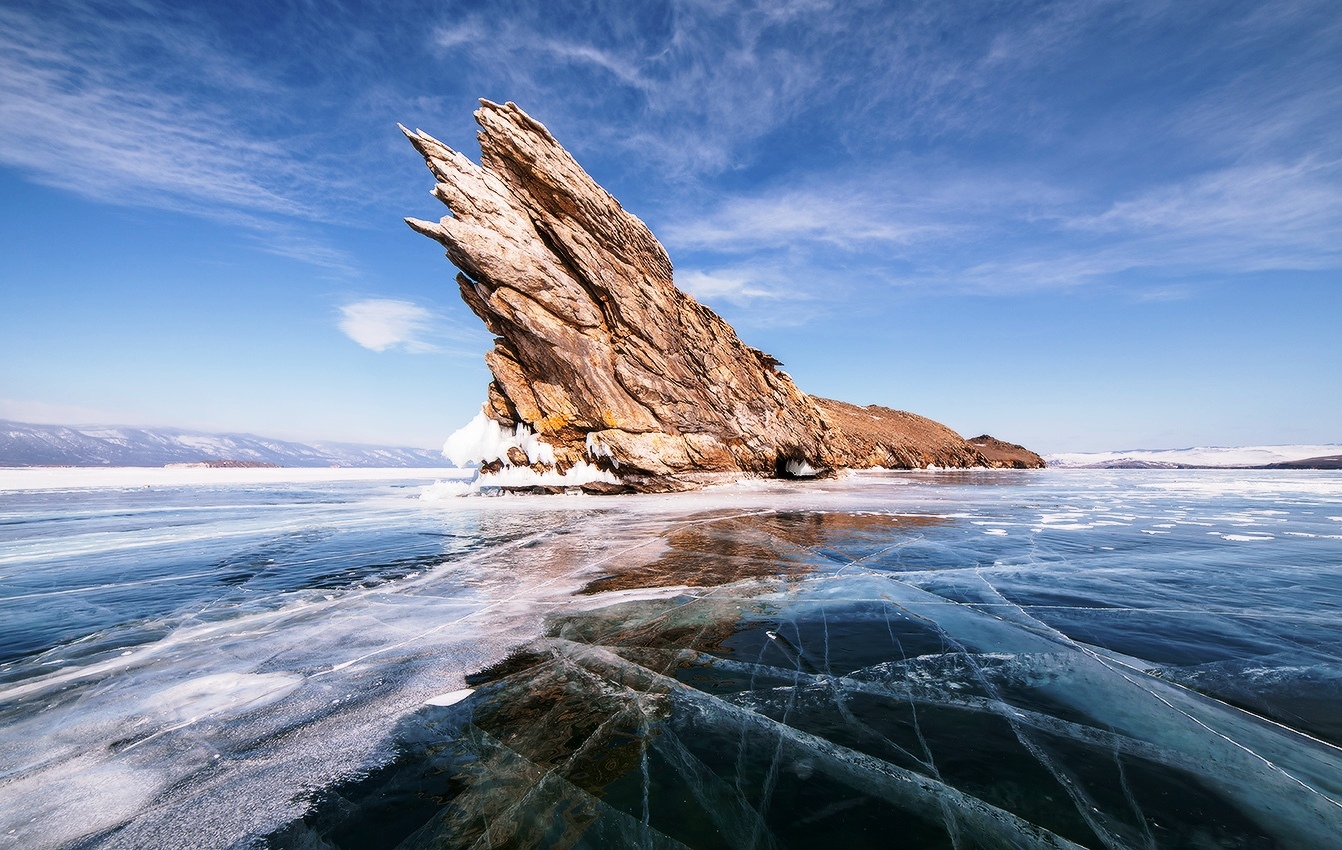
{"x": 986, "y": 657}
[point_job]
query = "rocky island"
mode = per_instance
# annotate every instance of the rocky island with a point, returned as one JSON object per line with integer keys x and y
{"x": 607, "y": 376}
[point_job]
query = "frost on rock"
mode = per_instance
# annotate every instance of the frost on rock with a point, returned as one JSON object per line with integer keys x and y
{"x": 596, "y": 448}
{"x": 483, "y": 440}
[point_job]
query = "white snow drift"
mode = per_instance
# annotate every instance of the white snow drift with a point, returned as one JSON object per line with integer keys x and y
{"x": 483, "y": 440}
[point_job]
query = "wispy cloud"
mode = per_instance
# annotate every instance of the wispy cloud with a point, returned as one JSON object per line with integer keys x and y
{"x": 879, "y": 129}
{"x": 930, "y": 137}
{"x": 1251, "y": 218}
{"x": 888, "y": 208}
{"x": 705, "y": 79}
{"x": 135, "y": 106}
{"x": 45, "y": 412}
{"x": 981, "y": 234}
{"x": 389, "y": 324}
{"x": 77, "y": 110}
{"x": 839, "y": 218}
{"x": 735, "y": 285}
{"x": 709, "y": 82}
{"x": 1248, "y": 217}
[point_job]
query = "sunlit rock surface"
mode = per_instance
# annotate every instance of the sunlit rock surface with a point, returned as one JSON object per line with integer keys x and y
{"x": 604, "y": 359}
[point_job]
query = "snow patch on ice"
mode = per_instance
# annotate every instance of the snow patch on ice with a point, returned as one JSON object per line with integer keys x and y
{"x": 65, "y": 801}
{"x": 518, "y": 476}
{"x": 221, "y": 695}
{"x": 439, "y": 490}
{"x": 580, "y": 473}
{"x": 483, "y": 440}
{"x": 450, "y": 698}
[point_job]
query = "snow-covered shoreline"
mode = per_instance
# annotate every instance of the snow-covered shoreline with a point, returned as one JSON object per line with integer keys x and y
{"x": 70, "y": 478}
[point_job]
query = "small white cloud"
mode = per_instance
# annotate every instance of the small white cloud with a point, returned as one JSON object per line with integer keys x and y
{"x": 735, "y": 286}
{"x": 380, "y": 324}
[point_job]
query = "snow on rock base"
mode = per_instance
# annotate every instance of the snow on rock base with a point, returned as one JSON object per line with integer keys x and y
{"x": 519, "y": 478}
{"x": 483, "y": 440}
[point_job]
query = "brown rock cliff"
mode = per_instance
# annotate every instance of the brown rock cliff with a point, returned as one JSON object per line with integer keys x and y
{"x": 601, "y": 355}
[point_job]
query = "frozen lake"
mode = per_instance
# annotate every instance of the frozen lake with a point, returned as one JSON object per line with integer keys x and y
{"x": 318, "y": 658}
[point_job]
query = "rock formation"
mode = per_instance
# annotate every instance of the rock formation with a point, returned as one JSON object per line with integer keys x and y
{"x": 894, "y": 439}
{"x": 1000, "y": 453}
{"x": 599, "y": 360}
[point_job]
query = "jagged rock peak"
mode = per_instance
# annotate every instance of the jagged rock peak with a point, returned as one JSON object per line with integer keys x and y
{"x": 597, "y": 350}
{"x": 597, "y": 354}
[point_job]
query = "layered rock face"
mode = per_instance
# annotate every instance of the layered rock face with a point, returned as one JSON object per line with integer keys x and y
{"x": 603, "y": 358}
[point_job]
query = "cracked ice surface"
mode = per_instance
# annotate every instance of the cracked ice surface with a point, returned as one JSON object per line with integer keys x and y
{"x": 836, "y": 663}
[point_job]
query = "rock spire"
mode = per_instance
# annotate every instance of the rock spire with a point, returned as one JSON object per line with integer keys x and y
{"x": 599, "y": 356}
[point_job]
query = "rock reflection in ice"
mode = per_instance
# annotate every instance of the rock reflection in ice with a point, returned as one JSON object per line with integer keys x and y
{"x": 799, "y": 688}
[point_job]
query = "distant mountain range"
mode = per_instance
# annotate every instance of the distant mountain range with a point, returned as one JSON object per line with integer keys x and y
{"x": 25, "y": 444}
{"x": 1326, "y": 456}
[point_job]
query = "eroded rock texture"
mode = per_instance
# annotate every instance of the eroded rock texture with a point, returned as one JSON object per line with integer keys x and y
{"x": 599, "y": 353}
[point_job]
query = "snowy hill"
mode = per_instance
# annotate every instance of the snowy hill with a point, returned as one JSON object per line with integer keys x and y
{"x": 23, "y": 444}
{"x": 1214, "y": 456}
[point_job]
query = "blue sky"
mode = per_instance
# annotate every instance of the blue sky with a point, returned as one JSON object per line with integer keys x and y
{"x": 1075, "y": 225}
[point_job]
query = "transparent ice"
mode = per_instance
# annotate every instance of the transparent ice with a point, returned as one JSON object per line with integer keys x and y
{"x": 1040, "y": 659}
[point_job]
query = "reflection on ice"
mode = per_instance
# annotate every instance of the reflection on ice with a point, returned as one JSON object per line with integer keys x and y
{"x": 724, "y": 546}
{"x": 843, "y": 663}
{"x": 829, "y": 699}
